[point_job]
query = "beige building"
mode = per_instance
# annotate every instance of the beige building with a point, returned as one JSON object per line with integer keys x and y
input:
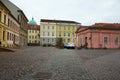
{"x": 4, "y": 12}
{"x": 47, "y": 32}
{"x": 22, "y": 19}
{"x": 19, "y": 15}
{"x": 13, "y": 32}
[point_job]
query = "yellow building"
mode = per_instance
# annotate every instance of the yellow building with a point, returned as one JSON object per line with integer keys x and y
{"x": 66, "y": 31}
{"x": 52, "y": 30}
{"x": 33, "y": 33}
{"x": 4, "y": 12}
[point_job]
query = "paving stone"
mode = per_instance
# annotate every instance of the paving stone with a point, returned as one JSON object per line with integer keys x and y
{"x": 61, "y": 64}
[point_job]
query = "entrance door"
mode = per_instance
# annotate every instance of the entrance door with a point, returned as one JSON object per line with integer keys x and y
{"x": 86, "y": 43}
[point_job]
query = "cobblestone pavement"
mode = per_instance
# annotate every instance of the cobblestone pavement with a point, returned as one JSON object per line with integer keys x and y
{"x": 49, "y": 63}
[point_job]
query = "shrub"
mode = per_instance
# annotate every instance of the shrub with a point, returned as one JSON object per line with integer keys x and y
{"x": 44, "y": 45}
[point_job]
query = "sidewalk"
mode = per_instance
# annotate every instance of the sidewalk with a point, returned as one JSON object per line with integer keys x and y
{"x": 5, "y": 50}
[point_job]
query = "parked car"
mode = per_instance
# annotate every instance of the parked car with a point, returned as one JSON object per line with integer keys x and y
{"x": 65, "y": 45}
{"x": 70, "y": 45}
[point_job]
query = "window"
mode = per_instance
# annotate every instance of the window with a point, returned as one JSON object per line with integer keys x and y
{"x": 48, "y": 40}
{"x": 43, "y": 39}
{"x": 52, "y": 27}
{"x": 4, "y": 19}
{"x": 68, "y": 34}
{"x": 35, "y": 37}
{"x": 52, "y": 33}
{"x": 48, "y": 27}
{"x": 7, "y": 35}
{"x": 48, "y": 33}
{"x": 43, "y": 33}
{"x": 105, "y": 40}
{"x": 29, "y": 31}
{"x": 116, "y": 40}
{"x": 33, "y": 31}
{"x": 73, "y": 34}
{"x": 64, "y": 34}
{"x": 8, "y": 22}
{"x": 30, "y": 37}
{"x": 35, "y": 41}
{"x": 3, "y": 35}
{"x": 0, "y": 16}
{"x": 52, "y": 40}
{"x": 10, "y": 37}
{"x": 68, "y": 40}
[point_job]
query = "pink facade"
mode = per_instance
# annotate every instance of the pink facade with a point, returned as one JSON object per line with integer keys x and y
{"x": 98, "y": 37}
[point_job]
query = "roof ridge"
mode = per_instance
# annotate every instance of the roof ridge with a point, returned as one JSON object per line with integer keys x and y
{"x": 54, "y": 20}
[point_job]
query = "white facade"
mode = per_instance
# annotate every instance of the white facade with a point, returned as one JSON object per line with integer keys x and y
{"x": 48, "y": 33}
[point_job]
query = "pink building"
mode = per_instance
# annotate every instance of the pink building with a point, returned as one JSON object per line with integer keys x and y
{"x": 99, "y": 35}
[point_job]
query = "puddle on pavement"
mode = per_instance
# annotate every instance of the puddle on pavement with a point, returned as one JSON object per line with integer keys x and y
{"x": 42, "y": 76}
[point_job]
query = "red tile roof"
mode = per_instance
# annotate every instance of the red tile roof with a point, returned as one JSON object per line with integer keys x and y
{"x": 107, "y": 24}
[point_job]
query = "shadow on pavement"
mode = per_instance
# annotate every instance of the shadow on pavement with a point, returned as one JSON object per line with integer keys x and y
{"x": 5, "y": 50}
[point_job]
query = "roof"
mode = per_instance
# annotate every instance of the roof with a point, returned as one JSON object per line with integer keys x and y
{"x": 4, "y": 6}
{"x": 33, "y": 27}
{"x": 106, "y": 24}
{"x": 33, "y": 22}
{"x": 81, "y": 27}
{"x": 59, "y": 21}
{"x": 13, "y": 8}
{"x": 105, "y": 27}
{"x": 10, "y": 12}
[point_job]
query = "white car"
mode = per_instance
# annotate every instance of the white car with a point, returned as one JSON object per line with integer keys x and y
{"x": 70, "y": 45}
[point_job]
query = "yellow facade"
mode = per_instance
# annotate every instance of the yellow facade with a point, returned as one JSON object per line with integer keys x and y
{"x": 62, "y": 29}
{"x": 67, "y": 32}
{"x": 4, "y": 12}
{"x": 33, "y": 33}
{"x": 33, "y": 36}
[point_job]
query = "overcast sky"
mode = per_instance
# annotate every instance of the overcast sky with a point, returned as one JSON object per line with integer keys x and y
{"x": 86, "y": 12}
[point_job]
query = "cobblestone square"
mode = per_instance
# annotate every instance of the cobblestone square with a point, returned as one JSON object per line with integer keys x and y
{"x": 50, "y": 63}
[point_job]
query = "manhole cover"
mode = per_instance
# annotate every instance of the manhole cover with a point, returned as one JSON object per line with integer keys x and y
{"x": 42, "y": 75}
